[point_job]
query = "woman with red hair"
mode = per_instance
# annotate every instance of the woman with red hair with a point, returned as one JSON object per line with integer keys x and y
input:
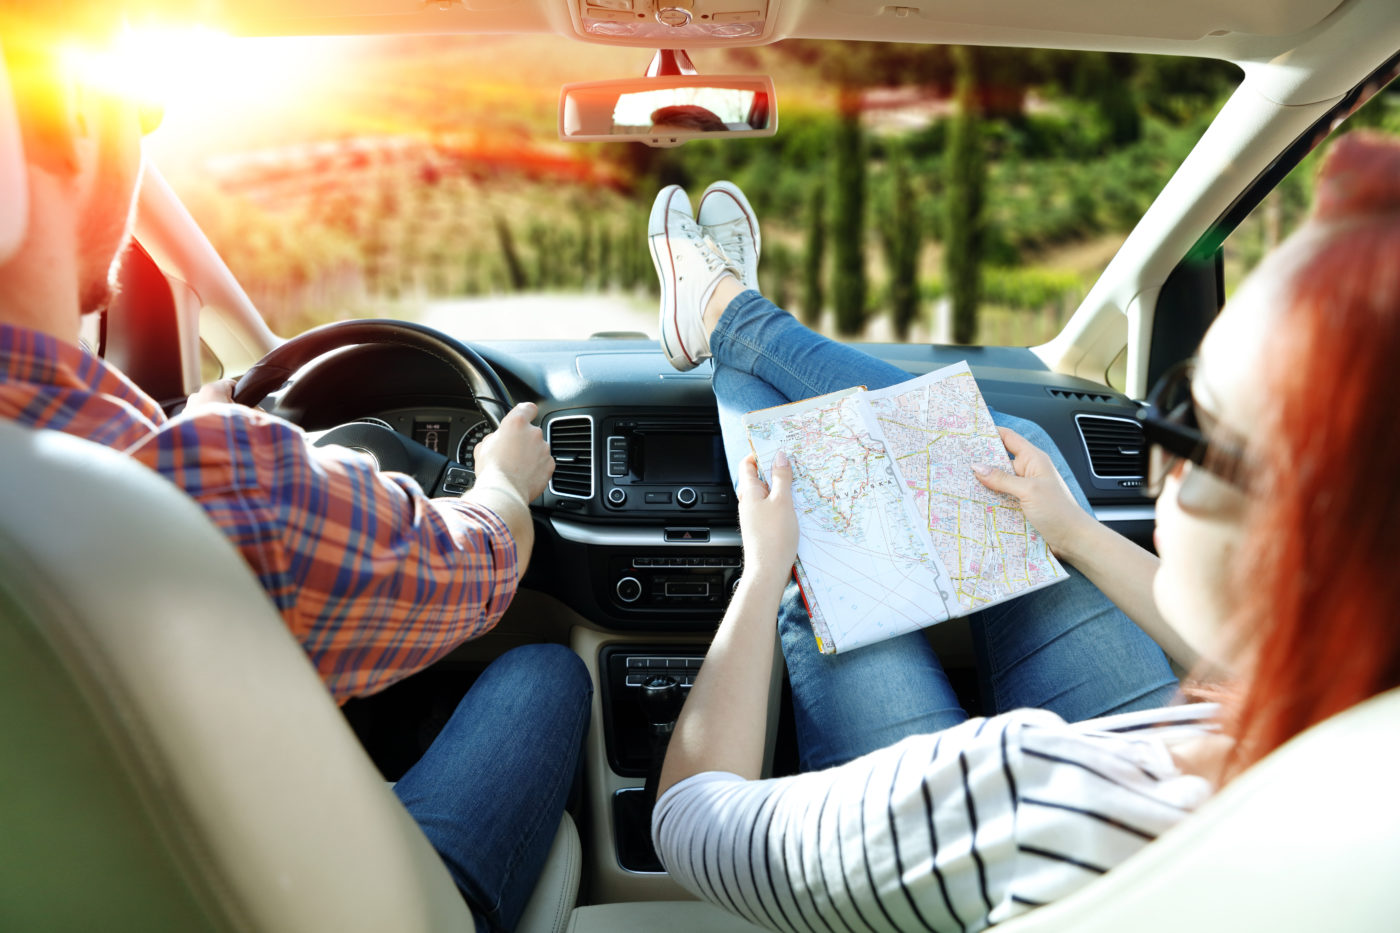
{"x": 1275, "y": 539}
{"x": 1276, "y": 566}
{"x": 1277, "y": 563}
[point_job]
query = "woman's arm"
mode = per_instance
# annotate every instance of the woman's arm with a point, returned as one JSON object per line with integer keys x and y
{"x": 952, "y": 830}
{"x": 721, "y": 726}
{"x": 1117, "y": 566}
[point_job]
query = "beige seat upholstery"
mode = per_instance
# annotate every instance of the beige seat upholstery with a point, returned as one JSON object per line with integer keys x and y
{"x": 169, "y": 759}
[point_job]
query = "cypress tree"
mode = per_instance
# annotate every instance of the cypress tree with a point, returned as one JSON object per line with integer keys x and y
{"x": 514, "y": 270}
{"x": 902, "y": 240}
{"x": 603, "y": 260}
{"x": 776, "y": 272}
{"x": 848, "y": 218}
{"x": 814, "y": 258}
{"x": 966, "y": 173}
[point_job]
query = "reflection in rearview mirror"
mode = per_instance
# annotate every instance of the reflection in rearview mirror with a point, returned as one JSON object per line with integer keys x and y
{"x": 667, "y": 111}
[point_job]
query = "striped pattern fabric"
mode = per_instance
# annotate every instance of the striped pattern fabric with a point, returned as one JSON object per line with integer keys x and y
{"x": 372, "y": 577}
{"x": 958, "y": 830}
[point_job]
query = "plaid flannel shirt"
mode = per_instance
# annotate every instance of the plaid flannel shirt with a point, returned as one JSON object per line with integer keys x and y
{"x": 374, "y": 579}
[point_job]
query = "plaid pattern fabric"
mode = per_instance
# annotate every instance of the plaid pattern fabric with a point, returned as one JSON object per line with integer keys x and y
{"x": 372, "y": 577}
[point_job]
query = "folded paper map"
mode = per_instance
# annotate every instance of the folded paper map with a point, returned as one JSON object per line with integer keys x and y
{"x": 897, "y": 533}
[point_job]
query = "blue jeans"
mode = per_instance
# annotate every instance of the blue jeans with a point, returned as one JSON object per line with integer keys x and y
{"x": 490, "y": 791}
{"x": 1065, "y": 648}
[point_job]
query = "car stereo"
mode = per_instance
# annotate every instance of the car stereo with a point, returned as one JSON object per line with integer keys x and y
{"x": 665, "y": 464}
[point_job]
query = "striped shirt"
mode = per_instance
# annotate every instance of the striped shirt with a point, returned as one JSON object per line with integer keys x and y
{"x": 957, "y": 830}
{"x": 372, "y": 577}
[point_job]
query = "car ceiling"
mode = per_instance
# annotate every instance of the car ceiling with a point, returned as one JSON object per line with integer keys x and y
{"x": 1228, "y": 29}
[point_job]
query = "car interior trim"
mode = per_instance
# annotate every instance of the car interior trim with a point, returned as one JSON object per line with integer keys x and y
{"x": 603, "y": 536}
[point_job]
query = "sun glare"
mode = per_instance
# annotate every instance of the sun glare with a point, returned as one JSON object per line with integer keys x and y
{"x": 197, "y": 69}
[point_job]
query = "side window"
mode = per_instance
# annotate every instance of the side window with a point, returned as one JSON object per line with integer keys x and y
{"x": 1286, "y": 207}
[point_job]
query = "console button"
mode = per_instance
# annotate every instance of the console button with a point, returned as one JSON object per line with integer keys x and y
{"x": 658, "y": 498}
{"x": 629, "y": 589}
{"x": 685, "y": 497}
{"x": 716, "y": 498}
{"x": 617, "y": 496}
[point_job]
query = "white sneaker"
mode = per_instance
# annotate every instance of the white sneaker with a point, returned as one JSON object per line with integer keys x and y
{"x": 689, "y": 265}
{"x": 726, "y": 216}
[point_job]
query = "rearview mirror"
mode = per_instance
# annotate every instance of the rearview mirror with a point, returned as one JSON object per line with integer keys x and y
{"x": 667, "y": 111}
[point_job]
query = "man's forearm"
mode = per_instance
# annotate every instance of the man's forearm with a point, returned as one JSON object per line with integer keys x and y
{"x": 507, "y": 502}
{"x": 723, "y": 723}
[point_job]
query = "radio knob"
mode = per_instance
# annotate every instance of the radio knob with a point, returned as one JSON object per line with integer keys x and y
{"x": 617, "y": 496}
{"x": 685, "y": 496}
{"x": 629, "y": 589}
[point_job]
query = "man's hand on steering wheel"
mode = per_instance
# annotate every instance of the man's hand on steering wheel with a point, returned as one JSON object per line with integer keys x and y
{"x": 515, "y": 454}
{"x": 218, "y": 392}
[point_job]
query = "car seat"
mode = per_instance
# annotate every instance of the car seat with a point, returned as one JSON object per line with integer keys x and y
{"x": 169, "y": 758}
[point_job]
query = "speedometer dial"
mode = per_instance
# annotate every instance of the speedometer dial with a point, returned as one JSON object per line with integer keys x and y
{"x": 467, "y": 445}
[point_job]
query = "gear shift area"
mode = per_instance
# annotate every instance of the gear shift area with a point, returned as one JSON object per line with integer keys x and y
{"x": 643, "y": 691}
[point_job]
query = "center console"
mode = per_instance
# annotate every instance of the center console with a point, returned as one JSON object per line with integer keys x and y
{"x": 664, "y": 465}
{"x": 644, "y": 518}
{"x": 643, "y": 541}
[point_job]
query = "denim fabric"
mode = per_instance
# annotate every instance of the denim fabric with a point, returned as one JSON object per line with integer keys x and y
{"x": 490, "y": 791}
{"x": 1065, "y": 648}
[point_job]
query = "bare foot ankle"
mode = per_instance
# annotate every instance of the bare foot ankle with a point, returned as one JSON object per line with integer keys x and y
{"x": 726, "y": 291}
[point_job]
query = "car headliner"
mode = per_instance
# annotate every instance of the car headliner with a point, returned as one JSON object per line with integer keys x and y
{"x": 1229, "y": 29}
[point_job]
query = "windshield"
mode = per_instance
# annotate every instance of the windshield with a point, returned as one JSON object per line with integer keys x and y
{"x": 918, "y": 193}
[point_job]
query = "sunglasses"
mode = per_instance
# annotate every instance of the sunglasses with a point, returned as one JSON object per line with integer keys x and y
{"x": 1173, "y": 433}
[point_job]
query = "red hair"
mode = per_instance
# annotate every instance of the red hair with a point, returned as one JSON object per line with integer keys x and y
{"x": 1320, "y": 564}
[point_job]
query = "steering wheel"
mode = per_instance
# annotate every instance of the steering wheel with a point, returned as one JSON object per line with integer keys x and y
{"x": 390, "y": 449}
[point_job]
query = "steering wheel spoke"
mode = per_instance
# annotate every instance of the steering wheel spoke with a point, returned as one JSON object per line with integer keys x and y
{"x": 390, "y": 450}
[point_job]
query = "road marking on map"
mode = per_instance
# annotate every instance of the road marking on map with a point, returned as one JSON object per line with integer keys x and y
{"x": 935, "y": 429}
{"x": 896, "y": 531}
{"x": 865, "y": 564}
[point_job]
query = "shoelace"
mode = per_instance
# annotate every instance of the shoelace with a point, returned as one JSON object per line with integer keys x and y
{"x": 734, "y": 241}
{"x": 715, "y": 258}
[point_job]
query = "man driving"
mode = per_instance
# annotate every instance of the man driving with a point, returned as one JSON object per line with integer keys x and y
{"x": 374, "y": 579}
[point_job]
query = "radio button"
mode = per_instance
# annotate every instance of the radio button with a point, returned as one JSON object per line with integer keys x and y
{"x": 716, "y": 498}
{"x": 685, "y": 497}
{"x": 617, "y": 496}
{"x": 629, "y": 589}
{"x": 658, "y": 498}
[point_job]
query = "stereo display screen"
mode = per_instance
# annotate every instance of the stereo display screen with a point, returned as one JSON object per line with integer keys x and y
{"x": 681, "y": 458}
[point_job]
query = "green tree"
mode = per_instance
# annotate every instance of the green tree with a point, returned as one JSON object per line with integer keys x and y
{"x": 815, "y": 256}
{"x": 966, "y": 174}
{"x": 775, "y": 272}
{"x": 514, "y": 269}
{"x": 903, "y": 239}
{"x": 848, "y": 216}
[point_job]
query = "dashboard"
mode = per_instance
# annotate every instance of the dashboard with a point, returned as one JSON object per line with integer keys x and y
{"x": 638, "y": 528}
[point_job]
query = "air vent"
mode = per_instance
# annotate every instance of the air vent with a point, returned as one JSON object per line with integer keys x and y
{"x": 571, "y": 445}
{"x": 1115, "y": 446}
{"x": 1079, "y": 396}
